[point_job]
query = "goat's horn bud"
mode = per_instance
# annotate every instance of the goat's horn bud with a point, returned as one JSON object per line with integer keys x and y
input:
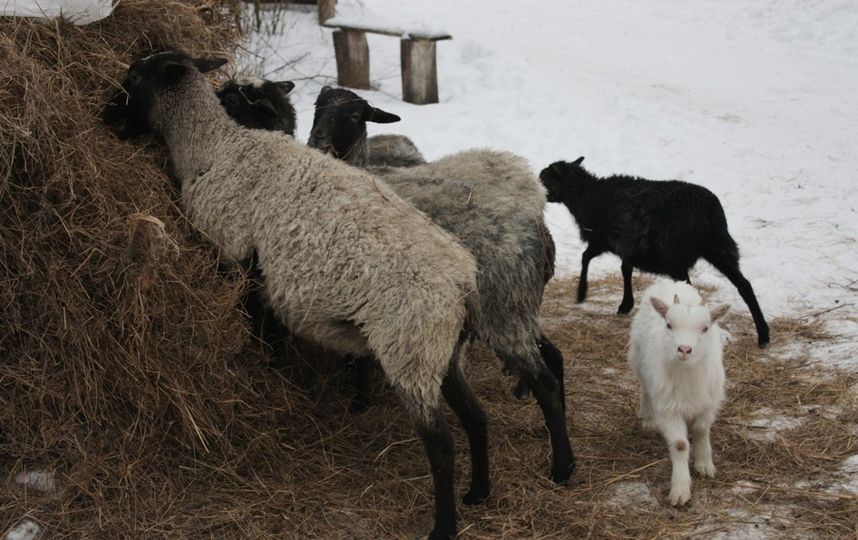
{"x": 675, "y": 298}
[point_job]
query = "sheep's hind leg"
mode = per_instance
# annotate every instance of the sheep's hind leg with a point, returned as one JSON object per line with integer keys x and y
{"x": 362, "y": 398}
{"x": 553, "y": 358}
{"x": 731, "y": 271}
{"x": 549, "y": 395}
{"x": 440, "y": 449}
{"x": 628, "y": 296}
{"x": 463, "y": 402}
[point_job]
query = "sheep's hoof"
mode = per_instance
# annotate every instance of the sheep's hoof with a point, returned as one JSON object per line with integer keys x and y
{"x": 438, "y": 535}
{"x": 624, "y": 309}
{"x": 763, "y": 342}
{"x": 521, "y": 391}
{"x": 358, "y": 406}
{"x": 476, "y": 496}
{"x": 561, "y": 475}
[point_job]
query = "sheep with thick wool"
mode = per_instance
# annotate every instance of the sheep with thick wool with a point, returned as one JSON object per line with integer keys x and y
{"x": 676, "y": 352}
{"x": 345, "y": 260}
{"x": 502, "y": 224}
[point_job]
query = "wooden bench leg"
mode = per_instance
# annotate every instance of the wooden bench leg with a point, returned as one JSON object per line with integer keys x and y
{"x": 327, "y": 10}
{"x": 352, "y": 52}
{"x": 419, "y": 71}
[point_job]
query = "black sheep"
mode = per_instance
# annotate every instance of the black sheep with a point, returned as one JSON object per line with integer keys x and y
{"x": 659, "y": 227}
{"x": 259, "y": 104}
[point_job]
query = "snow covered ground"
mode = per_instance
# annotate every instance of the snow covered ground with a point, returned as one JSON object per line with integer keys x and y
{"x": 756, "y": 100}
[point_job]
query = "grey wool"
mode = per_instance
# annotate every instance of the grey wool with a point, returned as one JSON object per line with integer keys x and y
{"x": 392, "y": 150}
{"x": 346, "y": 261}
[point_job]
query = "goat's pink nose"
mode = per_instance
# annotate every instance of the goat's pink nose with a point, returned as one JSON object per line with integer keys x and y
{"x": 684, "y": 349}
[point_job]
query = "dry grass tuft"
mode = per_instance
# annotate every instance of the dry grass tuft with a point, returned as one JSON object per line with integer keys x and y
{"x": 127, "y": 369}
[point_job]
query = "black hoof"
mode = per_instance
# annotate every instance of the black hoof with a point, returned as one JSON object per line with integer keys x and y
{"x": 475, "y": 496}
{"x": 358, "y": 407}
{"x": 624, "y": 310}
{"x": 440, "y": 535}
{"x": 763, "y": 342}
{"x": 581, "y": 298}
{"x": 521, "y": 391}
{"x": 562, "y": 475}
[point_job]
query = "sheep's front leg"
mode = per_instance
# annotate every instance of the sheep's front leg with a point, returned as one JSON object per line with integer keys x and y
{"x": 592, "y": 251}
{"x": 675, "y": 434}
{"x": 702, "y": 451}
{"x": 628, "y": 301}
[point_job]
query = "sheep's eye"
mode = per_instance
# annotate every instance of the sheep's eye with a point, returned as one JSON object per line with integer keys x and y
{"x": 705, "y": 329}
{"x": 356, "y": 118}
{"x": 669, "y": 326}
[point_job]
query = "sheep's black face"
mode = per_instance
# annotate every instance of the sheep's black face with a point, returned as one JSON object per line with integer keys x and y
{"x": 259, "y": 104}
{"x": 561, "y": 178}
{"x": 339, "y": 124}
{"x": 128, "y": 110}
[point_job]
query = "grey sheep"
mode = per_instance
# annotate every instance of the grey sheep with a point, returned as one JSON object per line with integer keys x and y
{"x": 346, "y": 261}
{"x": 494, "y": 205}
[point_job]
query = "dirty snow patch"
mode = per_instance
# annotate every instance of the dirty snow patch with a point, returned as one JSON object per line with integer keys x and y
{"x": 26, "y": 530}
{"x": 765, "y": 426}
{"x": 43, "y": 481}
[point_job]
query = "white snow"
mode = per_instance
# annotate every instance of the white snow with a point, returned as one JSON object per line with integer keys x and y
{"x": 757, "y": 101}
{"x": 44, "y": 481}
{"x": 25, "y": 530}
{"x": 765, "y": 425}
{"x": 80, "y": 12}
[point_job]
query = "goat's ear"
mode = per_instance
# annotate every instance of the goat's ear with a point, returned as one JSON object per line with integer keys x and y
{"x": 325, "y": 89}
{"x": 380, "y": 117}
{"x": 719, "y": 311}
{"x": 209, "y": 64}
{"x": 660, "y": 307}
{"x": 558, "y": 168}
{"x": 285, "y": 86}
{"x": 578, "y": 161}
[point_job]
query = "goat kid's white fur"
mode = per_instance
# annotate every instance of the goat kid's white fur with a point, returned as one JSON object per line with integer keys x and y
{"x": 676, "y": 352}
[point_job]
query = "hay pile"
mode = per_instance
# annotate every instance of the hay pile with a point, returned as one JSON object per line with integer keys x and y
{"x": 118, "y": 337}
{"x": 126, "y": 368}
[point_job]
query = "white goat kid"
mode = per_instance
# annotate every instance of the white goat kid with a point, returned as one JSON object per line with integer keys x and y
{"x": 675, "y": 351}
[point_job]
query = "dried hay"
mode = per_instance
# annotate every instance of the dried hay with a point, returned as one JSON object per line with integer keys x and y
{"x": 128, "y": 371}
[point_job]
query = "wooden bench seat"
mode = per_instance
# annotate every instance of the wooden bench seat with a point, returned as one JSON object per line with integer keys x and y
{"x": 417, "y": 57}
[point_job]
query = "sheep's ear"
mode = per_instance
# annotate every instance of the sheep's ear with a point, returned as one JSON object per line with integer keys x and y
{"x": 380, "y": 117}
{"x": 660, "y": 307}
{"x": 719, "y": 311}
{"x": 578, "y": 161}
{"x": 325, "y": 89}
{"x": 209, "y": 64}
{"x": 266, "y": 106}
{"x": 285, "y": 86}
{"x": 675, "y": 298}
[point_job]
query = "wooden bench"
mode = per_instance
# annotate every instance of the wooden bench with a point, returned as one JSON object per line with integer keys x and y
{"x": 417, "y": 55}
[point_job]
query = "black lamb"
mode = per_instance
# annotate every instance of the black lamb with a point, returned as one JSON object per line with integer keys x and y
{"x": 662, "y": 227}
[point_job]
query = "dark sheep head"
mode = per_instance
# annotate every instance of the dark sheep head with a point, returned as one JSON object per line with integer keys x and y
{"x": 562, "y": 178}
{"x": 339, "y": 125}
{"x": 259, "y": 104}
{"x": 128, "y": 111}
